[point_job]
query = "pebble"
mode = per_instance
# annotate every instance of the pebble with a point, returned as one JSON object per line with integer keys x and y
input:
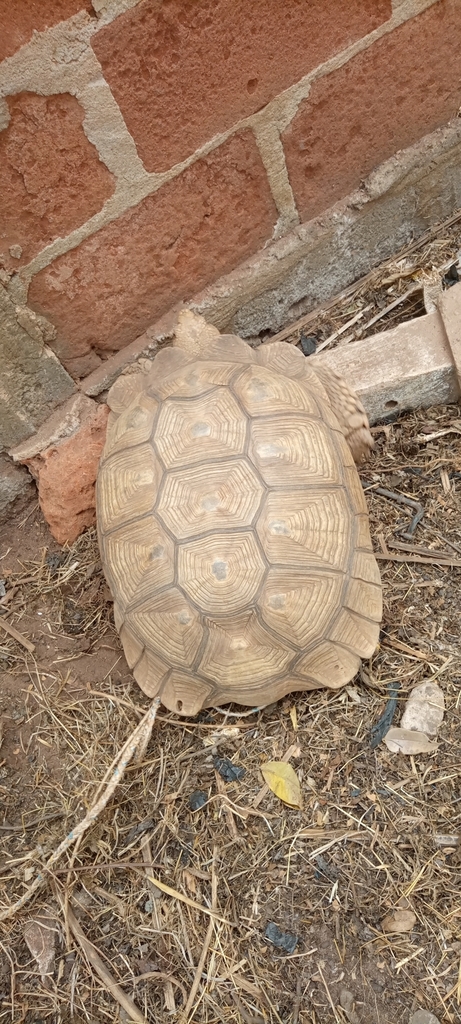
{"x": 424, "y": 709}
{"x": 423, "y": 1017}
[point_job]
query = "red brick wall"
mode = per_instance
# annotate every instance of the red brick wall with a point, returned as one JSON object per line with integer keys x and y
{"x": 146, "y": 151}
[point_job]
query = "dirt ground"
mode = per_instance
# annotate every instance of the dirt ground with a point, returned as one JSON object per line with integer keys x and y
{"x": 378, "y": 831}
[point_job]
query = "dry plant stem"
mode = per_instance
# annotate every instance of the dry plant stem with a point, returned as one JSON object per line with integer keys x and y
{"x": 95, "y": 960}
{"x": 208, "y": 937}
{"x": 167, "y": 889}
{"x": 17, "y": 636}
{"x": 135, "y": 743}
{"x": 392, "y": 305}
{"x": 327, "y": 990}
{"x": 220, "y": 786}
{"x": 245, "y": 1016}
{"x": 454, "y": 563}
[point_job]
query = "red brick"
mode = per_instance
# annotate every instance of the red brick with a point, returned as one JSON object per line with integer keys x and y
{"x": 51, "y": 177}
{"x": 104, "y": 293}
{"x": 65, "y": 462}
{"x": 386, "y": 98}
{"x": 184, "y": 70}
{"x": 20, "y": 18}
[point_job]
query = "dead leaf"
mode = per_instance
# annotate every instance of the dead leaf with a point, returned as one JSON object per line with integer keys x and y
{"x": 190, "y": 881}
{"x": 408, "y": 741}
{"x": 399, "y": 921}
{"x": 283, "y": 781}
{"x": 40, "y": 936}
{"x": 294, "y": 718}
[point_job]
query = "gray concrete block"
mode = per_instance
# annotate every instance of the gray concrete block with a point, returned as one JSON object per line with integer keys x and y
{"x": 15, "y": 483}
{"x": 32, "y": 380}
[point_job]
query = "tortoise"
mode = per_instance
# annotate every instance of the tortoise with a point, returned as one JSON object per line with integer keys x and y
{"x": 232, "y": 524}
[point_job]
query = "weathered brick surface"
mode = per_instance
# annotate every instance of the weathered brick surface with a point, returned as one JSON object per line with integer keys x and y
{"x": 104, "y": 293}
{"x": 20, "y": 18}
{"x": 184, "y": 70}
{"x": 386, "y": 98}
{"x": 64, "y": 458}
{"x": 51, "y": 177}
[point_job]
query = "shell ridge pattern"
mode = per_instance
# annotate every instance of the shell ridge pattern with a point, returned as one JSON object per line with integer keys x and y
{"x": 234, "y": 530}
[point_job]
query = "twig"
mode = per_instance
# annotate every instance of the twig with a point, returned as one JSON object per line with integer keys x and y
{"x": 418, "y": 549}
{"x": 95, "y": 960}
{"x": 419, "y": 559}
{"x": 327, "y": 990}
{"x": 400, "y": 499}
{"x": 208, "y": 937}
{"x": 392, "y": 305}
{"x": 220, "y": 785}
{"x": 381, "y": 727}
{"x": 135, "y": 744}
{"x": 186, "y": 899}
{"x": 161, "y": 976}
{"x": 17, "y": 636}
{"x": 344, "y": 328}
{"x": 247, "y": 1017}
{"x": 297, "y": 1002}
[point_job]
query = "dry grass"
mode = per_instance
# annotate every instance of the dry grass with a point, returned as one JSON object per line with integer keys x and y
{"x": 374, "y": 831}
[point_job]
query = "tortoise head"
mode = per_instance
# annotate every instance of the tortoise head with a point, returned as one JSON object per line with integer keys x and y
{"x": 193, "y": 334}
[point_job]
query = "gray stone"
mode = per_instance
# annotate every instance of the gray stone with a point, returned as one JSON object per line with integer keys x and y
{"x": 423, "y": 1017}
{"x": 32, "y": 380}
{"x": 15, "y": 483}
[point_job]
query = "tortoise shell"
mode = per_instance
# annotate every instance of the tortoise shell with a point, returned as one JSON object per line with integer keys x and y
{"x": 233, "y": 527}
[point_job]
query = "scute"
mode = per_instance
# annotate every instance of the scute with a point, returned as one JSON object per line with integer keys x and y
{"x": 150, "y": 672}
{"x": 197, "y": 431}
{"x": 127, "y": 486}
{"x": 298, "y": 606}
{"x": 230, "y": 348}
{"x": 288, "y": 449}
{"x": 215, "y": 496}
{"x": 285, "y": 359}
{"x": 186, "y": 693}
{"x": 241, "y": 653}
{"x": 306, "y": 528}
{"x": 133, "y": 426}
{"x": 169, "y": 626}
{"x": 196, "y": 379}
{"x": 356, "y": 632}
{"x": 221, "y": 571}
{"x": 263, "y": 393}
{"x": 328, "y": 664}
{"x": 140, "y": 558}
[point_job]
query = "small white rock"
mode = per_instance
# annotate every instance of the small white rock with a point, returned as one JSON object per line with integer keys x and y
{"x": 424, "y": 708}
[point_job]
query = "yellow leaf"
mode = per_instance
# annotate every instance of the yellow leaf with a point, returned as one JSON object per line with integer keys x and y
{"x": 294, "y": 718}
{"x": 283, "y": 781}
